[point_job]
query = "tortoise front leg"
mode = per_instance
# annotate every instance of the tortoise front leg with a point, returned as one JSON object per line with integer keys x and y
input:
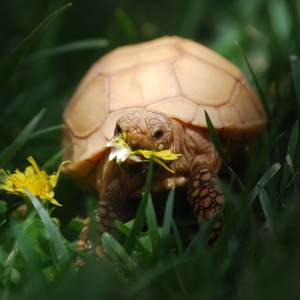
{"x": 204, "y": 193}
{"x": 110, "y": 207}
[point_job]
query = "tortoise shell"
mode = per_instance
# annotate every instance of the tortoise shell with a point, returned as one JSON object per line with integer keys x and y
{"x": 176, "y": 76}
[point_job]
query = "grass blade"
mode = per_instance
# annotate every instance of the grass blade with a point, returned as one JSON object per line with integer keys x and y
{"x": 125, "y": 228}
{"x": 192, "y": 13}
{"x": 12, "y": 61}
{"x": 67, "y": 48}
{"x": 267, "y": 208}
{"x": 45, "y": 131}
{"x": 140, "y": 216}
{"x": 215, "y": 138}
{"x": 262, "y": 182}
{"x": 200, "y": 239}
{"x": 61, "y": 253}
{"x": 296, "y": 188}
{"x": 177, "y": 238}
{"x": 168, "y": 215}
{"x": 116, "y": 248}
{"x": 261, "y": 94}
{"x": 152, "y": 225}
{"x": 291, "y": 153}
{"x": 126, "y": 25}
{"x": 50, "y": 162}
{"x": 236, "y": 178}
{"x": 295, "y": 64}
{"x": 35, "y": 271}
{"x": 111, "y": 253}
{"x": 10, "y": 151}
{"x": 227, "y": 150}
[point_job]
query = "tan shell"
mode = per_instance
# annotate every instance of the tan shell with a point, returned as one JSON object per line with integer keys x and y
{"x": 171, "y": 74}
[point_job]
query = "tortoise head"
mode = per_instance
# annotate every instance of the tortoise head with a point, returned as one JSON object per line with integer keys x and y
{"x": 146, "y": 130}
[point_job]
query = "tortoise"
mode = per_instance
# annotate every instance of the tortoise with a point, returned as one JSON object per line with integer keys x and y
{"x": 156, "y": 93}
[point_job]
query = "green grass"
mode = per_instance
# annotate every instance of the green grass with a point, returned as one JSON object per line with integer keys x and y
{"x": 258, "y": 254}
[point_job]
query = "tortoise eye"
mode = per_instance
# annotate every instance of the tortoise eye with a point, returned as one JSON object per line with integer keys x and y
{"x": 158, "y": 132}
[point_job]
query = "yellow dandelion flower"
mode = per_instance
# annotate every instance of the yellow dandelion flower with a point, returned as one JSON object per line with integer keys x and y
{"x": 33, "y": 179}
{"x": 121, "y": 151}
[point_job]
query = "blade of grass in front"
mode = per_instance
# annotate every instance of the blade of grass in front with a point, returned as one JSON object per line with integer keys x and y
{"x": 295, "y": 63}
{"x": 125, "y": 228}
{"x": 227, "y": 150}
{"x": 261, "y": 94}
{"x": 117, "y": 248}
{"x": 61, "y": 253}
{"x": 192, "y": 13}
{"x": 10, "y": 151}
{"x": 126, "y": 25}
{"x": 291, "y": 152}
{"x": 11, "y": 258}
{"x": 12, "y": 61}
{"x": 111, "y": 253}
{"x": 296, "y": 178}
{"x": 152, "y": 225}
{"x": 140, "y": 216}
{"x": 236, "y": 178}
{"x": 267, "y": 208}
{"x": 253, "y": 235}
{"x": 215, "y": 138}
{"x": 177, "y": 238}
{"x": 37, "y": 279}
{"x": 273, "y": 142}
{"x": 233, "y": 211}
{"x": 66, "y": 48}
{"x": 158, "y": 274}
{"x": 50, "y": 162}
{"x": 45, "y": 131}
{"x": 296, "y": 187}
{"x": 262, "y": 182}
{"x": 200, "y": 239}
{"x": 168, "y": 215}
{"x": 224, "y": 239}
{"x": 293, "y": 7}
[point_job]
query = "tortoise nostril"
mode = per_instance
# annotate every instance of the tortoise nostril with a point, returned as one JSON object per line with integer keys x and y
{"x": 118, "y": 129}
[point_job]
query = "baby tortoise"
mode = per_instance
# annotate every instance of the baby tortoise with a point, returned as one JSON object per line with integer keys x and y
{"x": 154, "y": 94}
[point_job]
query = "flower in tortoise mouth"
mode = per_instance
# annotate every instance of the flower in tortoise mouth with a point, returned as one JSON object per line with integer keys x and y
{"x": 33, "y": 179}
{"x": 122, "y": 151}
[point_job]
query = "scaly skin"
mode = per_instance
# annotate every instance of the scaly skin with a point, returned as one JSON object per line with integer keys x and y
{"x": 204, "y": 193}
{"x": 197, "y": 167}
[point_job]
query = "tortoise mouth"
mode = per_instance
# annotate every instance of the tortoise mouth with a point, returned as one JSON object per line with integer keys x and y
{"x": 132, "y": 167}
{"x": 140, "y": 147}
{"x": 130, "y": 161}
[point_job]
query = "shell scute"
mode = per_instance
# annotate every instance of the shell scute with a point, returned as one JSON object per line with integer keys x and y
{"x": 233, "y": 122}
{"x": 213, "y": 112}
{"x": 210, "y": 87}
{"x": 142, "y": 86}
{"x": 250, "y": 111}
{"x": 210, "y": 57}
{"x": 174, "y": 108}
{"x": 153, "y": 51}
{"x": 81, "y": 107}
